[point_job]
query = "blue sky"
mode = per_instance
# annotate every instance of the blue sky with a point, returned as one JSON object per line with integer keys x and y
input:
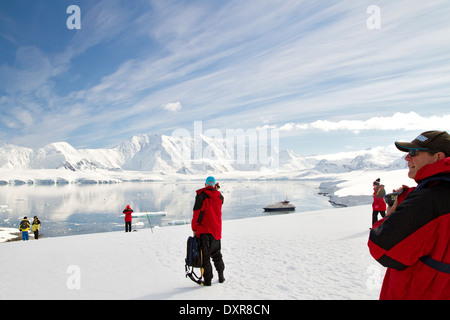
{"x": 313, "y": 70}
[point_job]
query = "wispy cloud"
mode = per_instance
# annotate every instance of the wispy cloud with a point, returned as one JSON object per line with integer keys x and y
{"x": 398, "y": 121}
{"x": 329, "y": 63}
{"x": 230, "y": 64}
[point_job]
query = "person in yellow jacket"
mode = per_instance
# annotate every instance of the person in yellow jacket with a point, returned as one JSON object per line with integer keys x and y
{"x": 25, "y": 227}
{"x": 35, "y": 227}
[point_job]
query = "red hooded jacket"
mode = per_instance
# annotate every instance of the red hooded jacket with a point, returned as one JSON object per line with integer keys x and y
{"x": 208, "y": 213}
{"x": 127, "y": 212}
{"x": 419, "y": 227}
{"x": 378, "y": 201}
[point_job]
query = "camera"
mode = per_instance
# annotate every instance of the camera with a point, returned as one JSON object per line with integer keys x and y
{"x": 390, "y": 198}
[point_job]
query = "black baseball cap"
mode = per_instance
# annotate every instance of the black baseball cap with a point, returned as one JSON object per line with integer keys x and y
{"x": 437, "y": 141}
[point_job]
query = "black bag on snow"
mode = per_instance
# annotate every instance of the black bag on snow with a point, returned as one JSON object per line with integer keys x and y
{"x": 194, "y": 259}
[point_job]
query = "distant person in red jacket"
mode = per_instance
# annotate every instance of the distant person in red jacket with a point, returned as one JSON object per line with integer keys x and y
{"x": 207, "y": 225}
{"x": 128, "y": 211}
{"x": 413, "y": 241}
{"x": 378, "y": 205}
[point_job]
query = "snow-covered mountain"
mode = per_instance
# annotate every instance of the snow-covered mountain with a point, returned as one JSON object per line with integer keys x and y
{"x": 163, "y": 155}
{"x": 155, "y": 153}
{"x": 384, "y": 158}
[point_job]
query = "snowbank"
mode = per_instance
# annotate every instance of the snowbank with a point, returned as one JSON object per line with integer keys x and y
{"x": 7, "y": 234}
{"x": 355, "y": 188}
{"x": 313, "y": 255}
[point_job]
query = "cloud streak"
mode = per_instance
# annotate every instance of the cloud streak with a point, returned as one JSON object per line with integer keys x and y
{"x": 399, "y": 121}
{"x": 236, "y": 64}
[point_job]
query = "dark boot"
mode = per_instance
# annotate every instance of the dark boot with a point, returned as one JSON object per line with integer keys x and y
{"x": 206, "y": 283}
{"x": 221, "y": 277}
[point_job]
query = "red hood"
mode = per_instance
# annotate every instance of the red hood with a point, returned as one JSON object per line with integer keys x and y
{"x": 441, "y": 166}
{"x": 210, "y": 191}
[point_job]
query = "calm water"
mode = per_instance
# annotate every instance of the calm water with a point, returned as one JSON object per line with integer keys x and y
{"x": 77, "y": 209}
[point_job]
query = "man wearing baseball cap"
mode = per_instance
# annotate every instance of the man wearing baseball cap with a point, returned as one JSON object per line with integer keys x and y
{"x": 413, "y": 241}
{"x": 430, "y": 142}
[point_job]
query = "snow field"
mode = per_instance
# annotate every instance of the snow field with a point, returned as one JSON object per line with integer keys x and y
{"x": 313, "y": 255}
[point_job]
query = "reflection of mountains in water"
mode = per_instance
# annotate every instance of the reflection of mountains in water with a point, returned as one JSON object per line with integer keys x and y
{"x": 72, "y": 209}
{"x": 95, "y": 223}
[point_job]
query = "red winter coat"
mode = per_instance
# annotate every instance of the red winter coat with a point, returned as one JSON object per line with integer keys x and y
{"x": 128, "y": 211}
{"x": 208, "y": 213}
{"x": 378, "y": 199}
{"x": 419, "y": 227}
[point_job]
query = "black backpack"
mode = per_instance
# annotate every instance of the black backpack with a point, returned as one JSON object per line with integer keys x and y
{"x": 194, "y": 259}
{"x": 24, "y": 225}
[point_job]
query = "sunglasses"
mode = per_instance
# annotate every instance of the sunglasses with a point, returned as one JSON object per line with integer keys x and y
{"x": 415, "y": 152}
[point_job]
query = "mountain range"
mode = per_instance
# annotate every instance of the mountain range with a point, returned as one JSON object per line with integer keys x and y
{"x": 181, "y": 156}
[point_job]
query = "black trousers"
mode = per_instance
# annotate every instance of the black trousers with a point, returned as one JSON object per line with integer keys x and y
{"x": 211, "y": 250}
{"x": 375, "y": 216}
{"x": 128, "y": 226}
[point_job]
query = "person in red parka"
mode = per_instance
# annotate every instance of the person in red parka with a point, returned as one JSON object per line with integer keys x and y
{"x": 378, "y": 205}
{"x": 207, "y": 225}
{"x": 128, "y": 218}
{"x": 413, "y": 240}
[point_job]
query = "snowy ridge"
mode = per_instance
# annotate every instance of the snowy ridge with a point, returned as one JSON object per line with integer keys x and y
{"x": 150, "y": 157}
